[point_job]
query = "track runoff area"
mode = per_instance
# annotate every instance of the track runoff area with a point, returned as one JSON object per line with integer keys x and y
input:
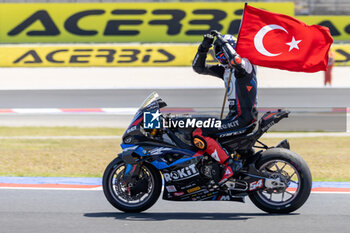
{"x": 94, "y": 184}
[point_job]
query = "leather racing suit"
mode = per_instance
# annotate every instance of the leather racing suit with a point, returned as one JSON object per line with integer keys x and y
{"x": 242, "y": 95}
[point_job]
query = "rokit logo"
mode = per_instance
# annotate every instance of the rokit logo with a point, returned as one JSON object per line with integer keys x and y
{"x": 181, "y": 174}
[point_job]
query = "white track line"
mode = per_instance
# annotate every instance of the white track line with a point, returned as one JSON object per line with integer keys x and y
{"x": 120, "y": 111}
{"x": 69, "y": 189}
{"x": 320, "y": 192}
{"x": 116, "y": 111}
{"x": 306, "y": 135}
{"x": 268, "y": 135}
{"x": 36, "y": 110}
{"x": 59, "y": 137}
{"x": 100, "y": 189}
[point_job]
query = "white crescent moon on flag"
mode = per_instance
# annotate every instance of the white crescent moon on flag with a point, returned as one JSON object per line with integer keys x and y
{"x": 258, "y": 39}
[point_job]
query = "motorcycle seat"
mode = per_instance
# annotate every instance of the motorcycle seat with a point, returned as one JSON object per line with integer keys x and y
{"x": 271, "y": 118}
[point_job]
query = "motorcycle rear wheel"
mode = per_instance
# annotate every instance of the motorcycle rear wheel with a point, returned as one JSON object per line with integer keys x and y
{"x": 116, "y": 191}
{"x": 291, "y": 169}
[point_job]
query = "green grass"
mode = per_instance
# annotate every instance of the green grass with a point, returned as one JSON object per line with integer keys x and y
{"x": 59, "y": 131}
{"x": 66, "y": 158}
{"x": 327, "y": 157}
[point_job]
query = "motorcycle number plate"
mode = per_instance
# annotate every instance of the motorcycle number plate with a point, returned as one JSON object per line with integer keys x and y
{"x": 256, "y": 184}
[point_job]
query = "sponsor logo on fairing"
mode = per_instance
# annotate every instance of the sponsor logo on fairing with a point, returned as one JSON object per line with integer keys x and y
{"x": 159, "y": 150}
{"x": 188, "y": 186}
{"x": 191, "y": 190}
{"x": 181, "y": 174}
{"x": 268, "y": 126}
{"x": 133, "y": 128}
{"x": 171, "y": 188}
{"x": 224, "y": 198}
{"x": 130, "y": 148}
{"x": 178, "y": 194}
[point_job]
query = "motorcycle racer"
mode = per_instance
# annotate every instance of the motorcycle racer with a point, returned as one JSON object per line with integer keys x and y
{"x": 242, "y": 93}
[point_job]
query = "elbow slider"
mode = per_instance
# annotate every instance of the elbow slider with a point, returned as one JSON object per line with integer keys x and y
{"x": 237, "y": 60}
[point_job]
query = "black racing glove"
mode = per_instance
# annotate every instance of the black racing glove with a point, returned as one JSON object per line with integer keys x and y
{"x": 215, "y": 33}
{"x": 220, "y": 40}
{"x": 207, "y": 42}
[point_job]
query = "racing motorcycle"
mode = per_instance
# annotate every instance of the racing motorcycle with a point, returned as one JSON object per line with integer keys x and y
{"x": 276, "y": 179}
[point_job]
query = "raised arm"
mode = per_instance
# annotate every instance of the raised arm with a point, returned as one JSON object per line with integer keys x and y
{"x": 243, "y": 67}
{"x": 199, "y": 65}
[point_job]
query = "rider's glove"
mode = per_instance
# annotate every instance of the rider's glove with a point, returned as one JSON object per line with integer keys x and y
{"x": 230, "y": 53}
{"x": 207, "y": 42}
{"x": 220, "y": 40}
{"x": 215, "y": 33}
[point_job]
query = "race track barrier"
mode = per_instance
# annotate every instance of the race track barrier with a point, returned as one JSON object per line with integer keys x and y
{"x": 121, "y": 22}
{"x": 342, "y": 54}
{"x": 114, "y": 55}
{"x": 137, "y": 22}
{"x": 97, "y": 55}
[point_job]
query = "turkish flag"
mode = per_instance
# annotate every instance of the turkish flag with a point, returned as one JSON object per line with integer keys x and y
{"x": 280, "y": 41}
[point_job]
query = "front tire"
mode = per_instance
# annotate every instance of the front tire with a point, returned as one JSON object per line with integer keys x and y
{"x": 290, "y": 168}
{"x": 116, "y": 191}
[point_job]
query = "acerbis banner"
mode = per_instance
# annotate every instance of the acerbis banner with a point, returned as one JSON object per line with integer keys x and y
{"x": 97, "y": 55}
{"x": 342, "y": 54}
{"x": 122, "y": 22}
{"x": 117, "y": 55}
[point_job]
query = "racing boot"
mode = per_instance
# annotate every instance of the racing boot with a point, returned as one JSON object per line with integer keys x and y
{"x": 214, "y": 149}
{"x": 231, "y": 167}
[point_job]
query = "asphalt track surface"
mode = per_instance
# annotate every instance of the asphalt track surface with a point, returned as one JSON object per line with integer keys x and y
{"x": 311, "y": 107}
{"x": 175, "y": 98}
{"x": 42, "y": 211}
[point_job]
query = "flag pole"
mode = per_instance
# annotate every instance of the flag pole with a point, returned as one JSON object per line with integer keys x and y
{"x": 240, "y": 25}
{"x": 230, "y": 75}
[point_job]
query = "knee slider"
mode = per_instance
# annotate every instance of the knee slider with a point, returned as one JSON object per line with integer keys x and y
{"x": 199, "y": 143}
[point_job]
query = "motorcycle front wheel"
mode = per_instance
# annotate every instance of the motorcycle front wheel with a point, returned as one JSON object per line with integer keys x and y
{"x": 290, "y": 169}
{"x": 118, "y": 193}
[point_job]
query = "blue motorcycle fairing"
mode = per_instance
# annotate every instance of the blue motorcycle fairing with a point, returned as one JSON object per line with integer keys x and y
{"x": 156, "y": 153}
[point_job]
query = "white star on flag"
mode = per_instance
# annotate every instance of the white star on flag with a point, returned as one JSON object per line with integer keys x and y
{"x": 155, "y": 115}
{"x": 293, "y": 44}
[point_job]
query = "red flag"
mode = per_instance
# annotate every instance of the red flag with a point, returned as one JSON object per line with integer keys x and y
{"x": 280, "y": 41}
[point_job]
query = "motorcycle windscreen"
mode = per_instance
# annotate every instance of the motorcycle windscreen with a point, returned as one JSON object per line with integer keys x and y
{"x": 153, "y": 97}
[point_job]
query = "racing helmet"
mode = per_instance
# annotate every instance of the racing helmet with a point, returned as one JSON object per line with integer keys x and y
{"x": 219, "y": 53}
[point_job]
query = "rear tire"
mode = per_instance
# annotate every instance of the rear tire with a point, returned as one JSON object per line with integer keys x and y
{"x": 111, "y": 187}
{"x": 302, "y": 173}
